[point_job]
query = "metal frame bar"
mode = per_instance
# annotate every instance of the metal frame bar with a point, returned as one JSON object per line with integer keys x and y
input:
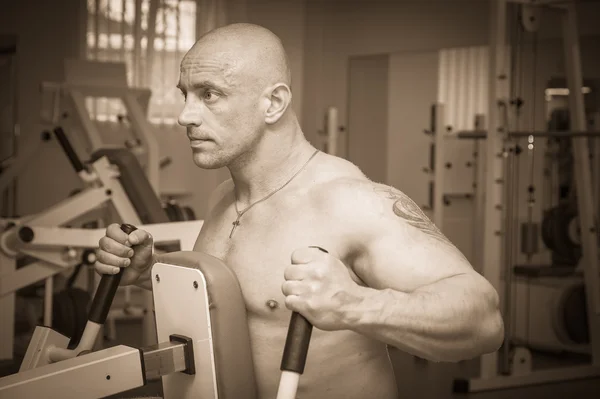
{"x": 439, "y": 136}
{"x": 95, "y": 375}
{"x": 493, "y": 215}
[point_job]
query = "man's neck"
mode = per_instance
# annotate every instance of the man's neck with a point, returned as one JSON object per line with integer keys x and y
{"x": 269, "y": 167}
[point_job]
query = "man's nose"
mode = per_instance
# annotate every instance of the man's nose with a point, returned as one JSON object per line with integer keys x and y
{"x": 190, "y": 115}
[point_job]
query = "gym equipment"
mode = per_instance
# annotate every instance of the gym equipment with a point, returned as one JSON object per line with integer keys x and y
{"x": 559, "y": 234}
{"x": 115, "y": 182}
{"x": 204, "y": 352}
{"x": 501, "y": 150}
{"x": 64, "y": 103}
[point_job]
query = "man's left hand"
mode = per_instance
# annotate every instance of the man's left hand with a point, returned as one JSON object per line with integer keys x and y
{"x": 320, "y": 288}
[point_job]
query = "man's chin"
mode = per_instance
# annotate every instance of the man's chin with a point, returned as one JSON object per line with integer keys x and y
{"x": 205, "y": 161}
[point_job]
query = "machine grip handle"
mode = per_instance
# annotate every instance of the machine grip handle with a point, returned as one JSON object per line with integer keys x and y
{"x": 297, "y": 341}
{"x": 296, "y": 344}
{"x": 107, "y": 289}
{"x": 68, "y": 149}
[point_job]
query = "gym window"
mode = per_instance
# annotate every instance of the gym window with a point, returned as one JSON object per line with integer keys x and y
{"x": 120, "y": 30}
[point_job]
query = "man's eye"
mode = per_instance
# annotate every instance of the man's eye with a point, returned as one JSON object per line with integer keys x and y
{"x": 210, "y": 95}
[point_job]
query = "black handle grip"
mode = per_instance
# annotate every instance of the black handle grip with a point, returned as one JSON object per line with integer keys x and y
{"x": 68, "y": 149}
{"x": 297, "y": 341}
{"x": 107, "y": 289}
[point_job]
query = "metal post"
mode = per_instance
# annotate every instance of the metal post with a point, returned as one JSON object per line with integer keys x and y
{"x": 479, "y": 195}
{"x": 492, "y": 234}
{"x": 583, "y": 179}
{"x": 439, "y": 137}
{"x": 7, "y": 311}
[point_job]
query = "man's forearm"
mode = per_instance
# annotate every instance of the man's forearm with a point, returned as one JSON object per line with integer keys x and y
{"x": 441, "y": 323}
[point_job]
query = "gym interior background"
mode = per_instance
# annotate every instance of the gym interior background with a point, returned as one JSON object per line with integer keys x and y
{"x": 381, "y": 64}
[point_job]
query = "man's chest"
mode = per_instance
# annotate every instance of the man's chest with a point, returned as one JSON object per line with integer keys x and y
{"x": 260, "y": 249}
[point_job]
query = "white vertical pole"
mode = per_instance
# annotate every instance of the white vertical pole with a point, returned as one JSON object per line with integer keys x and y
{"x": 332, "y": 130}
{"x": 492, "y": 234}
{"x": 583, "y": 179}
{"x": 439, "y": 135}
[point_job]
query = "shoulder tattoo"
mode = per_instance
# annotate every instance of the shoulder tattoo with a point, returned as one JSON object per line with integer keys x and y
{"x": 404, "y": 207}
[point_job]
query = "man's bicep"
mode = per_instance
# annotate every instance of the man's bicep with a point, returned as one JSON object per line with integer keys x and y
{"x": 403, "y": 249}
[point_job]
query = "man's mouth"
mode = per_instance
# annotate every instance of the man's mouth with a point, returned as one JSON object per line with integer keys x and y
{"x": 197, "y": 142}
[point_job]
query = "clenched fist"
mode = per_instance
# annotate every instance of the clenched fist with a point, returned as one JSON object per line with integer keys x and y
{"x": 121, "y": 250}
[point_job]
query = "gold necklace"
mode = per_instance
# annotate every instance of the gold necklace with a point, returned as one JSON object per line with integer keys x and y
{"x": 240, "y": 214}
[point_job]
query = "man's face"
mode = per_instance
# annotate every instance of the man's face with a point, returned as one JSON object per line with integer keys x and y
{"x": 221, "y": 112}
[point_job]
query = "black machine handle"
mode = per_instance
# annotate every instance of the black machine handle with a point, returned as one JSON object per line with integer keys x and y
{"x": 68, "y": 149}
{"x": 297, "y": 341}
{"x": 107, "y": 289}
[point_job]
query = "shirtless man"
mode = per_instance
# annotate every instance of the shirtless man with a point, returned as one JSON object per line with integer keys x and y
{"x": 390, "y": 277}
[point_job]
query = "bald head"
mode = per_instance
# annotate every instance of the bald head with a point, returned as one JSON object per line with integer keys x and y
{"x": 247, "y": 54}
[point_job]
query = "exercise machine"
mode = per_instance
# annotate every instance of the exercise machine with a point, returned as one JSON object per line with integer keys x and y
{"x": 202, "y": 352}
{"x": 116, "y": 189}
{"x": 511, "y": 366}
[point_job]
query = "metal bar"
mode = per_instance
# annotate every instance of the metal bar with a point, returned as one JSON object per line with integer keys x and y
{"x": 91, "y": 132}
{"x": 151, "y": 35}
{"x": 44, "y": 236}
{"x": 510, "y": 209}
{"x": 137, "y": 42}
{"x": 48, "y": 294}
{"x": 7, "y": 310}
{"x": 123, "y": 25}
{"x": 583, "y": 180}
{"x": 478, "y": 208}
{"x": 574, "y": 133}
{"x": 71, "y": 207}
{"x": 440, "y": 137}
{"x": 482, "y": 134}
{"x": 94, "y": 375}
{"x": 145, "y": 132}
{"x": 492, "y": 234}
{"x": 163, "y": 359}
{"x": 96, "y": 27}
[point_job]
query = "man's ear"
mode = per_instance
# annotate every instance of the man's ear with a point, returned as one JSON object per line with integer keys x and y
{"x": 280, "y": 97}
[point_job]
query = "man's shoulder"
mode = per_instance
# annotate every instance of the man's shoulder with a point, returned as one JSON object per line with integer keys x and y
{"x": 355, "y": 197}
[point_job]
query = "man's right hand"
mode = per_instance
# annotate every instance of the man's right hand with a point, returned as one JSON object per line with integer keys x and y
{"x": 121, "y": 250}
